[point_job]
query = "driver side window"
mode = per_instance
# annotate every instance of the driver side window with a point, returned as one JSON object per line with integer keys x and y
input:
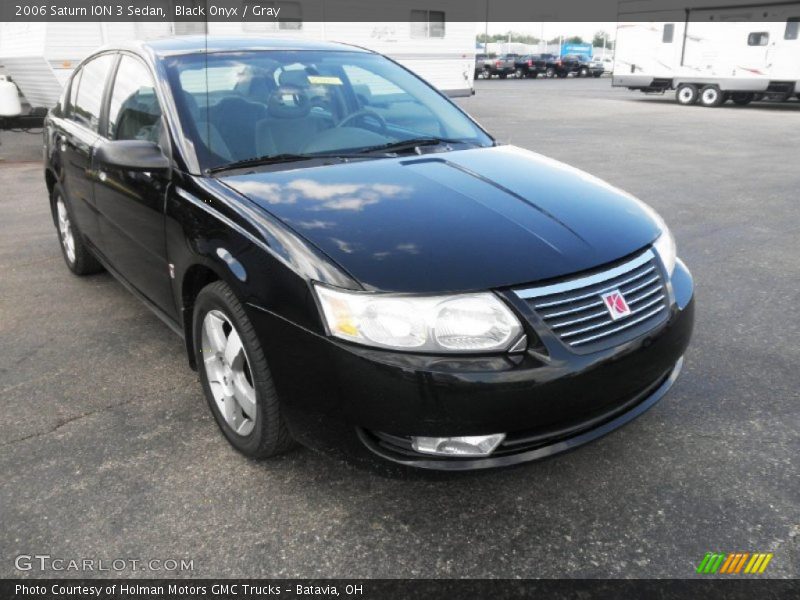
{"x": 134, "y": 112}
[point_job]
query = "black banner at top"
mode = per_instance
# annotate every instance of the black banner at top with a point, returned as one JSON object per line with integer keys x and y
{"x": 289, "y": 11}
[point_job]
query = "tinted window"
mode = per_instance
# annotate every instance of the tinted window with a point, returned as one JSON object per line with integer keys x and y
{"x": 134, "y": 112}
{"x": 240, "y": 105}
{"x": 792, "y": 27}
{"x": 669, "y": 31}
{"x": 90, "y": 91}
{"x": 427, "y": 23}
{"x": 758, "y": 38}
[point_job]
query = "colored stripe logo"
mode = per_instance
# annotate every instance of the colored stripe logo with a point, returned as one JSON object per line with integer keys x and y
{"x": 734, "y": 563}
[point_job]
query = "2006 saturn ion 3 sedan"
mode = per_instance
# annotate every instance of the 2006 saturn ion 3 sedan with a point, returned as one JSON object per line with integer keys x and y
{"x": 354, "y": 263}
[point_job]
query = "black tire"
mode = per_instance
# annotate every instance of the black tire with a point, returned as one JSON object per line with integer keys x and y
{"x": 269, "y": 435}
{"x": 562, "y": 74}
{"x": 584, "y": 72}
{"x": 503, "y": 75}
{"x": 596, "y": 74}
{"x": 711, "y": 95}
{"x": 550, "y": 72}
{"x": 81, "y": 261}
{"x": 519, "y": 73}
{"x": 742, "y": 98}
{"x": 686, "y": 94}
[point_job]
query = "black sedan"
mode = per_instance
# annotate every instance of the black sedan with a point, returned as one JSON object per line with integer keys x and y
{"x": 354, "y": 263}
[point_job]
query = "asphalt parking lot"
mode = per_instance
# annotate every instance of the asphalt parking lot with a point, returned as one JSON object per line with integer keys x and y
{"x": 107, "y": 448}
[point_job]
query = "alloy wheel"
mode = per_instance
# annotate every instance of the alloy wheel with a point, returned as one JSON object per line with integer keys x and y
{"x": 228, "y": 372}
{"x": 65, "y": 230}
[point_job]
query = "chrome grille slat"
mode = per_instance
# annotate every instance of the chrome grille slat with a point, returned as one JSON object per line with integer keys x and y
{"x": 596, "y": 292}
{"x": 567, "y": 334}
{"x": 643, "y": 285}
{"x": 625, "y": 325}
{"x": 602, "y": 313}
{"x": 643, "y": 296}
{"x": 570, "y": 309}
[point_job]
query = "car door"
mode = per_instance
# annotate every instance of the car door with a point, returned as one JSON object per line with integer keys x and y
{"x": 131, "y": 204}
{"x": 76, "y": 138}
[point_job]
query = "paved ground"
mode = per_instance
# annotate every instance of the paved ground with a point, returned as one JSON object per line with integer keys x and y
{"x": 108, "y": 449}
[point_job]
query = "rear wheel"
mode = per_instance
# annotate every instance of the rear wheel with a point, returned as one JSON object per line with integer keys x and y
{"x": 742, "y": 98}
{"x": 503, "y": 75}
{"x": 77, "y": 256}
{"x": 711, "y": 95}
{"x": 550, "y": 72}
{"x": 562, "y": 74}
{"x": 686, "y": 94}
{"x": 519, "y": 73}
{"x": 584, "y": 72}
{"x": 235, "y": 376}
{"x": 597, "y": 74}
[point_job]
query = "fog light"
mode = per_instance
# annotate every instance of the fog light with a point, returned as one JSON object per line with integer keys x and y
{"x": 466, "y": 445}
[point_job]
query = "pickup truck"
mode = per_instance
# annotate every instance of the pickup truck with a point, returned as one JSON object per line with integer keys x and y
{"x": 532, "y": 65}
{"x": 502, "y": 66}
{"x": 579, "y": 65}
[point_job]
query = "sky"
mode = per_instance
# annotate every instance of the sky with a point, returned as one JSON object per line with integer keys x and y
{"x": 551, "y": 29}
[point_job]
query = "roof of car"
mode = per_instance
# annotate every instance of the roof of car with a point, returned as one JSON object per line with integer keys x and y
{"x": 191, "y": 44}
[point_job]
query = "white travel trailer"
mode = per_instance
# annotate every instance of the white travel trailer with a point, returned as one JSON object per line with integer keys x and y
{"x": 40, "y": 56}
{"x": 741, "y": 50}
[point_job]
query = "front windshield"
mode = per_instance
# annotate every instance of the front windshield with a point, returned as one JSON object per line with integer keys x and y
{"x": 239, "y": 106}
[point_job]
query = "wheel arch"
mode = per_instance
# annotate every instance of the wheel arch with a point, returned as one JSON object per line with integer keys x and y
{"x": 194, "y": 279}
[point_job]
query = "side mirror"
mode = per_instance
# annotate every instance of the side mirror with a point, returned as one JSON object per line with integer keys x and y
{"x": 132, "y": 155}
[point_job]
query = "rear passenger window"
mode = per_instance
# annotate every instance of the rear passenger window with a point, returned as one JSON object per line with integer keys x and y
{"x": 669, "y": 31}
{"x": 792, "y": 27}
{"x": 134, "y": 112}
{"x": 90, "y": 91}
{"x": 758, "y": 38}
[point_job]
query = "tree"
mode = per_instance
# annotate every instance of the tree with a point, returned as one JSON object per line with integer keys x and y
{"x": 600, "y": 39}
{"x": 575, "y": 39}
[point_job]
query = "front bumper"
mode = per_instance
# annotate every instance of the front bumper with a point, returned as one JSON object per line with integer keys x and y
{"x": 361, "y": 402}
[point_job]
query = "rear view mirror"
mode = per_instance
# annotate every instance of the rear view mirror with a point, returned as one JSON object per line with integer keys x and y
{"x": 132, "y": 155}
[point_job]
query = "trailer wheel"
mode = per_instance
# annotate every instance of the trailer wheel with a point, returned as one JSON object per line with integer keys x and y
{"x": 742, "y": 98}
{"x": 686, "y": 94}
{"x": 711, "y": 95}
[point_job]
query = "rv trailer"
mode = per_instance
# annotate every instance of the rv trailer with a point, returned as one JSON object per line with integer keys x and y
{"x": 39, "y": 56}
{"x": 739, "y": 50}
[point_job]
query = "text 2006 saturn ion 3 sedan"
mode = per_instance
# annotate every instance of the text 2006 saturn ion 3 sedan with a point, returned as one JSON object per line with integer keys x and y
{"x": 354, "y": 263}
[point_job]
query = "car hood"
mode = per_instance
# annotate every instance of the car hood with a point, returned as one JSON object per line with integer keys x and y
{"x": 454, "y": 221}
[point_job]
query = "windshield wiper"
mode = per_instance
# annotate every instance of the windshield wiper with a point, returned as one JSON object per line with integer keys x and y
{"x": 269, "y": 159}
{"x": 411, "y": 144}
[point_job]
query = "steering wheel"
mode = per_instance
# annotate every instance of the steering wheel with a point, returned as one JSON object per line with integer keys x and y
{"x": 364, "y": 113}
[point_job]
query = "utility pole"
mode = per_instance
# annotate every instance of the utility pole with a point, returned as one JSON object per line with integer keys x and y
{"x": 486, "y": 31}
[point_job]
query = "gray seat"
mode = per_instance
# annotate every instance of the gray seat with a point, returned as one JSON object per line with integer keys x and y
{"x": 208, "y": 133}
{"x": 289, "y": 125}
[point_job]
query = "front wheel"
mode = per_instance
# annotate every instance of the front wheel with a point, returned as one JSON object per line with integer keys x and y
{"x": 686, "y": 94}
{"x": 711, "y": 95}
{"x": 235, "y": 376}
{"x": 550, "y": 72}
{"x": 519, "y": 73}
{"x": 584, "y": 72}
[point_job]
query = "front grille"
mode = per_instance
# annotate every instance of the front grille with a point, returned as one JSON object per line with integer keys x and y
{"x": 574, "y": 310}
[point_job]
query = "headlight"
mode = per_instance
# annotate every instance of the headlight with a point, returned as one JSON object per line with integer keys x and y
{"x": 665, "y": 246}
{"x": 463, "y": 323}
